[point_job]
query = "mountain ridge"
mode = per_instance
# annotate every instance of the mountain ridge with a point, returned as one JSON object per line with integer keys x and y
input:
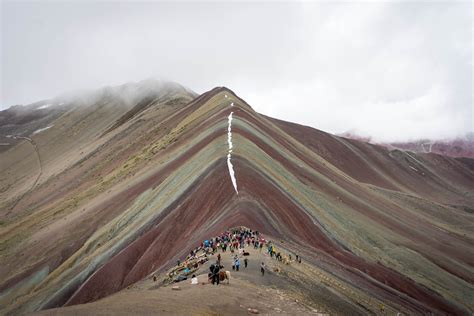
{"x": 356, "y": 210}
{"x": 457, "y": 147}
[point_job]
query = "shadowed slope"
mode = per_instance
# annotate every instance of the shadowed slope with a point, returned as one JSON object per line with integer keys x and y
{"x": 357, "y": 211}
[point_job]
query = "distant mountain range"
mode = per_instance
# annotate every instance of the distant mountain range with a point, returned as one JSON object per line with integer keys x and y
{"x": 457, "y": 147}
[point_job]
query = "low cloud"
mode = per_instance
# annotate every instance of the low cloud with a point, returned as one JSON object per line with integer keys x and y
{"x": 394, "y": 71}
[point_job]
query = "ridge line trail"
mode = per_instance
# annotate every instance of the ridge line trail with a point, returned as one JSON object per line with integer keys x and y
{"x": 35, "y": 146}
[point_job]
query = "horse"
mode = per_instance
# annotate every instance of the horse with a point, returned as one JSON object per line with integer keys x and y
{"x": 224, "y": 275}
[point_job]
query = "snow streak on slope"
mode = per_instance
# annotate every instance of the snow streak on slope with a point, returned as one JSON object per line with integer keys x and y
{"x": 44, "y": 106}
{"x": 229, "y": 155}
{"x": 42, "y": 129}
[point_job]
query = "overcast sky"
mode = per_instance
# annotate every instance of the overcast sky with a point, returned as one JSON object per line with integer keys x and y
{"x": 392, "y": 70}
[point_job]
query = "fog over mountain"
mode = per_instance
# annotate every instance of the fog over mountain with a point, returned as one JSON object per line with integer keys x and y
{"x": 395, "y": 71}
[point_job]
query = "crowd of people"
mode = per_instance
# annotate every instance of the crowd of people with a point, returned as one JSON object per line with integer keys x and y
{"x": 234, "y": 241}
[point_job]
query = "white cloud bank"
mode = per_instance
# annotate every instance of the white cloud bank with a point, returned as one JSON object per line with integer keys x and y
{"x": 394, "y": 71}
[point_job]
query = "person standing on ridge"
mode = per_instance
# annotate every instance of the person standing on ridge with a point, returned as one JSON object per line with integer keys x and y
{"x": 262, "y": 268}
{"x": 246, "y": 261}
{"x": 237, "y": 264}
{"x": 215, "y": 273}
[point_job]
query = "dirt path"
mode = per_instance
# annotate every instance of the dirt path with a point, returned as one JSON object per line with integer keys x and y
{"x": 277, "y": 292}
{"x": 246, "y": 290}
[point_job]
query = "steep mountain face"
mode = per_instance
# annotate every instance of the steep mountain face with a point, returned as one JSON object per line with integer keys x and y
{"x": 114, "y": 191}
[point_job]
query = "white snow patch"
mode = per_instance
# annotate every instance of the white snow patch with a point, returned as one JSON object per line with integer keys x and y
{"x": 413, "y": 168}
{"x": 423, "y": 146}
{"x": 42, "y": 129}
{"x": 44, "y": 106}
{"x": 229, "y": 155}
{"x": 62, "y": 103}
{"x": 225, "y": 95}
{"x": 413, "y": 158}
{"x": 232, "y": 104}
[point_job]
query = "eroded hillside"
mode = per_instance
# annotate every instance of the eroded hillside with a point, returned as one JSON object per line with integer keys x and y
{"x": 127, "y": 188}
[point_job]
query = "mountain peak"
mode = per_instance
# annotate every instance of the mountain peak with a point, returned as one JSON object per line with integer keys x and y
{"x": 227, "y": 97}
